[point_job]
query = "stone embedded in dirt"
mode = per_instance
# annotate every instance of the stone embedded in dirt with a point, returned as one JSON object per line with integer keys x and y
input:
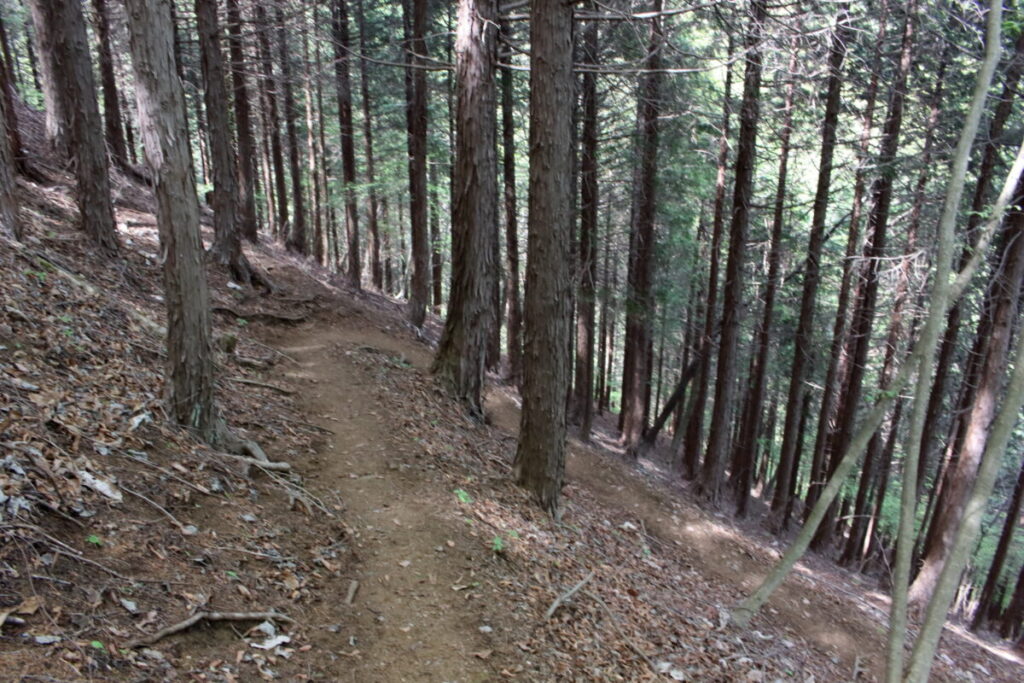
{"x": 485, "y": 629}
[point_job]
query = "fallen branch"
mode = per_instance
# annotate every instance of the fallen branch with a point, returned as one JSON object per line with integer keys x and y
{"x": 207, "y": 616}
{"x": 241, "y": 380}
{"x": 353, "y": 586}
{"x": 256, "y": 315}
{"x": 565, "y": 596}
{"x": 262, "y": 464}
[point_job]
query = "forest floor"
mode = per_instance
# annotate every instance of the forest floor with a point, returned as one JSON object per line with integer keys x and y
{"x": 393, "y": 548}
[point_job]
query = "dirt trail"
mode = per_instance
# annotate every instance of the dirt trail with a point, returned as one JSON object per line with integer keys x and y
{"x": 406, "y": 623}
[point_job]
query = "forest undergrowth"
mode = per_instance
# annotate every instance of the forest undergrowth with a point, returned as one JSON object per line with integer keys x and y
{"x": 384, "y": 540}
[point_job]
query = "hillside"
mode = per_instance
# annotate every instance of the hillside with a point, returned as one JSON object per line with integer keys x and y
{"x": 384, "y": 541}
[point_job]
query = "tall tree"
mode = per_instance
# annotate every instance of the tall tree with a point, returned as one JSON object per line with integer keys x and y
{"x": 540, "y": 456}
{"x": 695, "y": 422}
{"x": 459, "y": 362}
{"x": 227, "y": 244}
{"x": 994, "y": 333}
{"x": 416, "y": 113}
{"x": 803, "y": 348}
{"x": 376, "y": 271}
{"x": 715, "y": 456}
{"x": 745, "y": 449}
{"x": 48, "y": 43}
{"x": 269, "y": 87}
{"x": 163, "y": 125}
{"x": 342, "y": 51}
{"x": 584, "y": 381}
{"x": 248, "y": 221}
{"x": 111, "y": 104}
{"x": 62, "y": 22}
{"x": 10, "y": 224}
{"x": 640, "y": 298}
{"x": 513, "y": 305}
{"x": 297, "y": 240}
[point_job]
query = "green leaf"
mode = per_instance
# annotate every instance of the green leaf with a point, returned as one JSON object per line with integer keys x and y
{"x": 463, "y": 496}
{"x": 233, "y": 574}
{"x": 97, "y": 645}
{"x": 497, "y": 544}
{"x": 95, "y": 540}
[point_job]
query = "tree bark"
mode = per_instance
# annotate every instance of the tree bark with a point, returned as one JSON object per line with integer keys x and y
{"x": 48, "y": 48}
{"x": 111, "y": 103}
{"x": 227, "y": 244}
{"x": 996, "y": 326}
{"x": 376, "y": 271}
{"x": 692, "y": 443}
{"x": 63, "y": 23}
{"x": 190, "y": 370}
{"x": 988, "y": 592}
{"x": 297, "y": 240}
{"x": 248, "y": 221}
{"x": 803, "y": 345}
{"x": 10, "y": 224}
{"x": 273, "y": 121}
{"x": 713, "y": 468}
{"x": 586, "y": 305}
{"x": 513, "y": 305}
{"x": 640, "y": 298}
{"x": 416, "y": 117}
{"x": 342, "y": 51}
{"x": 459, "y": 363}
{"x": 540, "y": 456}
{"x": 745, "y": 451}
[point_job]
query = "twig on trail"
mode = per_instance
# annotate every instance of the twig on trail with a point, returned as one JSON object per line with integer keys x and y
{"x": 167, "y": 473}
{"x": 67, "y": 551}
{"x": 277, "y": 351}
{"x": 615, "y": 625}
{"x": 565, "y": 596}
{"x": 255, "y": 462}
{"x": 353, "y": 586}
{"x": 304, "y": 424}
{"x": 208, "y": 616}
{"x": 241, "y": 380}
{"x": 157, "y": 506}
{"x": 298, "y": 492}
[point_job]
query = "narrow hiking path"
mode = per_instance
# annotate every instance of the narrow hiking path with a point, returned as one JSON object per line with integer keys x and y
{"x": 405, "y": 622}
{"x": 436, "y": 602}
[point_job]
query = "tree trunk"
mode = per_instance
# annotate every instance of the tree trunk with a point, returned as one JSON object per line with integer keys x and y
{"x": 584, "y": 381}
{"x": 713, "y": 467}
{"x": 416, "y": 116}
{"x": 996, "y": 326}
{"x": 988, "y": 591}
{"x": 640, "y": 303}
{"x": 63, "y": 23}
{"x": 10, "y": 224}
{"x": 540, "y": 456}
{"x": 874, "y": 250}
{"x": 986, "y": 168}
{"x": 227, "y": 245}
{"x": 459, "y": 363}
{"x": 695, "y": 424}
{"x": 273, "y": 117}
{"x": 190, "y": 370}
{"x": 376, "y": 272}
{"x": 804, "y": 338}
{"x": 111, "y": 104}
{"x": 342, "y": 51}
{"x": 297, "y": 240}
{"x": 49, "y": 47}
{"x": 513, "y": 306}
{"x": 248, "y": 222}
{"x": 745, "y": 452}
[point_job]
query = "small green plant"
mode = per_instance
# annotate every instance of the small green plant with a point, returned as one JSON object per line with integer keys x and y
{"x": 64, "y": 318}
{"x": 498, "y": 545}
{"x": 463, "y": 496}
{"x": 37, "y": 274}
{"x": 241, "y": 322}
{"x": 97, "y": 645}
{"x": 94, "y": 540}
{"x": 232, "y": 574}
